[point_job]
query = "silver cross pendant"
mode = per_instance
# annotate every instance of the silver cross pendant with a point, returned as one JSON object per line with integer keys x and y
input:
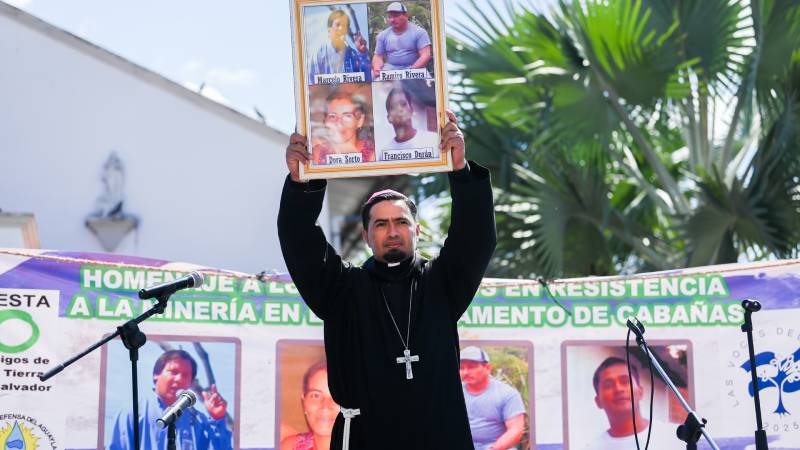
{"x": 407, "y": 359}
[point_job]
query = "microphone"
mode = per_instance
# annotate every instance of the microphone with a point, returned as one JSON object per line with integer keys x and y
{"x": 751, "y": 305}
{"x": 185, "y": 399}
{"x": 194, "y": 279}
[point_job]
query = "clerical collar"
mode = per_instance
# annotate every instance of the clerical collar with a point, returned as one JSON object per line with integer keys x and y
{"x": 395, "y": 268}
{"x": 392, "y": 271}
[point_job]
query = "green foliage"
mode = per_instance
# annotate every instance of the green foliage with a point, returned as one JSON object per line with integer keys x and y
{"x": 635, "y": 134}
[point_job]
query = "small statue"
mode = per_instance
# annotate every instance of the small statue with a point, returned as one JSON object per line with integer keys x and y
{"x": 109, "y": 204}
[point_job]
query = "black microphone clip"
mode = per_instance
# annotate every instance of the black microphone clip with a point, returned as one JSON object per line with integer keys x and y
{"x": 637, "y": 328}
{"x": 751, "y": 305}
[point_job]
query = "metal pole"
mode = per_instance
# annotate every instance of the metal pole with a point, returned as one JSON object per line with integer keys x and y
{"x": 668, "y": 381}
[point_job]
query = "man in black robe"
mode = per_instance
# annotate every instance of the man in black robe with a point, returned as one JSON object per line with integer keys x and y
{"x": 390, "y": 325}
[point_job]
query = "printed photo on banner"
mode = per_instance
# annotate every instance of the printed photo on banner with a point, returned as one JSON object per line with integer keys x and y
{"x": 407, "y": 130}
{"x": 348, "y": 58}
{"x": 341, "y": 124}
{"x": 497, "y": 378}
{"x": 400, "y": 34}
{"x": 305, "y": 411}
{"x": 337, "y": 50}
{"x": 596, "y": 394}
{"x": 168, "y": 365}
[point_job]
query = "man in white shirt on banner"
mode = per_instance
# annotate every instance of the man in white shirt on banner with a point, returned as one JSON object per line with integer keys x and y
{"x": 613, "y": 396}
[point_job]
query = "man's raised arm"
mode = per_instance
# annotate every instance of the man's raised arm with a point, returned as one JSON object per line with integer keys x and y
{"x": 314, "y": 265}
{"x": 471, "y": 237}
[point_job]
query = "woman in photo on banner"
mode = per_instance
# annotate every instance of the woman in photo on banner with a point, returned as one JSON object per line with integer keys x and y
{"x": 344, "y": 137}
{"x": 319, "y": 409}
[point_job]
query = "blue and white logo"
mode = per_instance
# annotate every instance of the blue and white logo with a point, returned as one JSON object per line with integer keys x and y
{"x": 776, "y": 371}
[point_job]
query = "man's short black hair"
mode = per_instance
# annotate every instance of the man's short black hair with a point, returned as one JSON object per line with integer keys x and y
{"x": 382, "y": 196}
{"x": 613, "y": 361}
{"x": 395, "y": 91}
{"x": 170, "y": 355}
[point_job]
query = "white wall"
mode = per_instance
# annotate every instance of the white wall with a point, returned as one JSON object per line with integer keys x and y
{"x": 204, "y": 180}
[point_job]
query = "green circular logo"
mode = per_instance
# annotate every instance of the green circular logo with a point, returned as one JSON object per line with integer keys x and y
{"x": 25, "y": 317}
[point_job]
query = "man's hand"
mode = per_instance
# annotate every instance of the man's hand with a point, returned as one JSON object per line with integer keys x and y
{"x": 296, "y": 154}
{"x": 377, "y": 65}
{"x": 215, "y": 404}
{"x": 361, "y": 43}
{"x": 453, "y": 141}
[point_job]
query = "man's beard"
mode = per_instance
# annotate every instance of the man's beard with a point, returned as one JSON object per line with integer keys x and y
{"x": 395, "y": 255}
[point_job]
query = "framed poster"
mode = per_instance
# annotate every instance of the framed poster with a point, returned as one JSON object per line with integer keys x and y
{"x": 304, "y": 408}
{"x": 370, "y": 86}
{"x": 494, "y": 405}
{"x": 596, "y": 393}
{"x": 209, "y": 366}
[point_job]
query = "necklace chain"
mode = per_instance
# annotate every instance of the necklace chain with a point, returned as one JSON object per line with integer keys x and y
{"x": 407, "y": 341}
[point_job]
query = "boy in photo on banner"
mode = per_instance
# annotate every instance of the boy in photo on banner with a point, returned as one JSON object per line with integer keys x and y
{"x": 612, "y": 388}
{"x": 337, "y": 55}
{"x": 400, "y": 115}
{"x": 174, "y": 371}
{"x": 496, "y": 410}
{"x": 344, "y": 116}
{"x": 403, "y": 45}
{"x": 319, "y": 410}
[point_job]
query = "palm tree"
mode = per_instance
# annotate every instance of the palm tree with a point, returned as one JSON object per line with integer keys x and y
{"x": 632, "y": 135}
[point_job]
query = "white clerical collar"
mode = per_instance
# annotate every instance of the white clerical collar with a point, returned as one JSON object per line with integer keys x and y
{"x": 393, "y": 264}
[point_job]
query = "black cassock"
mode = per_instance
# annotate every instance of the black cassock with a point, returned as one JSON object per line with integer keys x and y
{"x": 362, "y": 343}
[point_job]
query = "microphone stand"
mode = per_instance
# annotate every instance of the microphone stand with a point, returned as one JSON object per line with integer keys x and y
{"x": 171, "y": 434}
{"x": 693, "y": 426}
{"x": 751, "y": 306}
{"x": 133, "y": 339}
